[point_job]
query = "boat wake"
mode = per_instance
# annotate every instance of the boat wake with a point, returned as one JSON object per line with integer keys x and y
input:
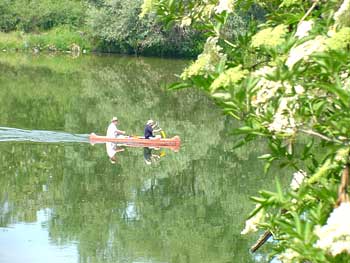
{"x": 18, "y": 135}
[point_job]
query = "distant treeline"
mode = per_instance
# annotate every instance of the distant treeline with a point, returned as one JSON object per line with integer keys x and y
{"x": 91, "y": 25}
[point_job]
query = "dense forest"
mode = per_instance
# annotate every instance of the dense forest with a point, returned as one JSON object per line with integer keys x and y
{"x": 112, "y": 26}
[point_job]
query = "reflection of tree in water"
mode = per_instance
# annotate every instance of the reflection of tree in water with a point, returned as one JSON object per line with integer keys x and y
{"x": 114, "y": 215}
{"x": 191, "y": 207}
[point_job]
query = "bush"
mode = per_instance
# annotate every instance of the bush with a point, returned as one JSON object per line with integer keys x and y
{"x": 60, "y": 38}
{"x": 57, "y": 39}
{"x": 12, "y": 40}
{"x": 38, "y": 15}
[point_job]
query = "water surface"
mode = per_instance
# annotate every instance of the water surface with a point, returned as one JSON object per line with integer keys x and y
{"x": 62, "y": 200}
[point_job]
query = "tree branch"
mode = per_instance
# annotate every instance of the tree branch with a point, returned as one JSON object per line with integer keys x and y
{"x": 309, "y": 11}
{"x": 311, "y": 132}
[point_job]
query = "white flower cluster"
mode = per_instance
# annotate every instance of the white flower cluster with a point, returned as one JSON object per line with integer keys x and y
{"x": 146, "y": 7}
{"x": 283, "y": 120}
{"x": 304, "y": 50}
{"x": 228, "y": 78}
{"x": 346, "y": 84}
{"x": 342, "y": 155}
{"x": 288, "y": 256}
{"x": 345, "y": 80}
{"x": 342, "y": 16}
{"x": 207, "y": 61}
{"x": 270, "y": 37}
{"x": 264, "y": 71}
{"x": 334, "y": 237}
{"x": 186, "y": 21}
{"x": 251, "y": 225}
{"x": 303, "y": 29}
{"x": 298, "y": 178}
{"x": 266, "y": 89}
{"x": 298, "y": 89}
{"x": 224, "y": 5}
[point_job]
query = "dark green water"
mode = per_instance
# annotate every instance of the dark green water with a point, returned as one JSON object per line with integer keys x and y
{"x": 62, "y": 200}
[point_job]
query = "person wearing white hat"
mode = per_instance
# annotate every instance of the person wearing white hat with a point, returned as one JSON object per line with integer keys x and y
{"x": 112, "y": 130}
{"x": 149, "y": 130}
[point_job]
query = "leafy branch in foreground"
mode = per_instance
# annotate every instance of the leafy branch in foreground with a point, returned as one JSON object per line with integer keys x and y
{"x": 287, "y": 79}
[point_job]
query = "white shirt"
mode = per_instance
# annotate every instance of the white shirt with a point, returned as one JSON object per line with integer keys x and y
{"x": 112, "y": 130}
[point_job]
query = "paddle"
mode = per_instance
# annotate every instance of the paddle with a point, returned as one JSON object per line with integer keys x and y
{"x": 162, "y": 133}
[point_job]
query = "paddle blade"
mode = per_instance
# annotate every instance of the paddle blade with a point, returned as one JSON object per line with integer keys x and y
{"x": 162, "y": 133}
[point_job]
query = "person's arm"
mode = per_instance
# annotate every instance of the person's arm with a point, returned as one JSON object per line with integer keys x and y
{"x": 119, "y": 132}
{"x": 158, "y": 130}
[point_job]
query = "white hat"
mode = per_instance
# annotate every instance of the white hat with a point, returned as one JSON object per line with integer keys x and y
{"x": 150, "y": 122}
{"x": 114, "y": 119}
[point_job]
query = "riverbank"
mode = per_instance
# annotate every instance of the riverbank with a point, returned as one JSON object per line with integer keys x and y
{"x": 56, "y": 40}
{"x": 64, "y": 39}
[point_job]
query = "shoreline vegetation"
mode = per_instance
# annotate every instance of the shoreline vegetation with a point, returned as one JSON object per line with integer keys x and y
{"x": 66, "y": 40}
{"x": 99, "y": 26}
{"x": 56, "y": 40}
{"x": 77, "y": 43}
{"x": 84, "y": 26}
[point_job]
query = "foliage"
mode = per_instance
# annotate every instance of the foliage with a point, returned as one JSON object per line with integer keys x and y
{"x": 286, "y": 78}
{"x": 61, "y": 38}
{"x": 11, "y": 40}
{"x": 112, "y": 26}
{"x": 116, "y": 24}
{"x": 34, "y": 15}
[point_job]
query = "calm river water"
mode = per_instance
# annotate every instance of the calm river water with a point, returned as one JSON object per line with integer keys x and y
{"x": 62, "y": 200}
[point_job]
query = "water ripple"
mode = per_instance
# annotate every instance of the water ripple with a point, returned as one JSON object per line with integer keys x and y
{"x": 12, "y": 134}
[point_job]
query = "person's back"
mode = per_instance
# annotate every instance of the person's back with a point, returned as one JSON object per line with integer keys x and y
{"x": 112, "y": 130}
{"x": 148, "y": 133}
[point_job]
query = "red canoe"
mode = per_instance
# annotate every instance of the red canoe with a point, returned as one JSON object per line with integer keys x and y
{"x": 171, "y": 143}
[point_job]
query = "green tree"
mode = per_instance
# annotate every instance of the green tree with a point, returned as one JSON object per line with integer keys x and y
{"x": 286, "y": 78}
{"x": 34, "y": 15}
{"x": 117, "y": 26}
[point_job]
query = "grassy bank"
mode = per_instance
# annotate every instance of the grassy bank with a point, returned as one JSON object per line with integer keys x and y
{"x": 57, "y": 39}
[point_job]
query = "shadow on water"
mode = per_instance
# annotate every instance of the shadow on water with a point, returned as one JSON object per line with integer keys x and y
{"x": 18, "y": 135}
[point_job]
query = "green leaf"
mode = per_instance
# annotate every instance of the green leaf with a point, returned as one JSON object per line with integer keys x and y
{"x": 242, "y": 130}
{"x": 179, "y": 85}
{"x": 307, "y": 232}
{"x": 265, "y": 156}
{"x": 343, "y": 94}
{"x": 279, "y": 189}
{"x": 267, "y": 167}
{"x": 298, "y": 226}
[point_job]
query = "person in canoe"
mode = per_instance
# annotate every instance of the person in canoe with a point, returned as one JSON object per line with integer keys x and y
{"x": 113, "y": 131}
{"x": 149, "y": 130}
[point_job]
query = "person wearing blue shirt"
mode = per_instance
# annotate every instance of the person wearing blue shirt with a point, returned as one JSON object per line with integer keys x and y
{"x": 149, "y": 130}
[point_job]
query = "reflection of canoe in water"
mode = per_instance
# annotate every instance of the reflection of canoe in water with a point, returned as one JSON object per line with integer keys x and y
{"x": 171, "y": 143}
